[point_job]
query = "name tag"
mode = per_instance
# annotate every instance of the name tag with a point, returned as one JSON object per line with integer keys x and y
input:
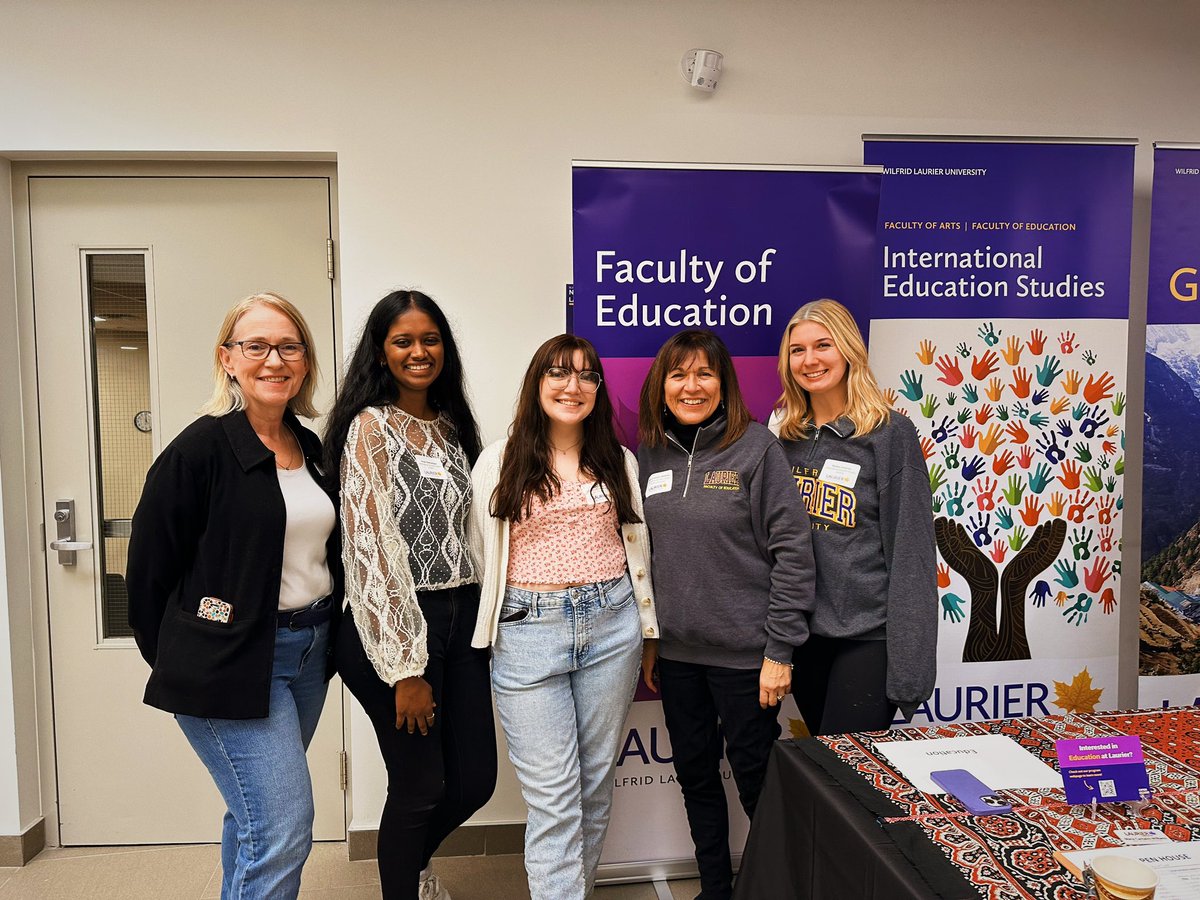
{"x": 594, "y": 492}
{"x": 430, "y": 467}
{"x": 837, "y": 472}
{"x": 659, "y": 483}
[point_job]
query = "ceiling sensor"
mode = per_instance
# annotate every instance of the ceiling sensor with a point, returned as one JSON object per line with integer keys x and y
{"x": 701, "y": 68}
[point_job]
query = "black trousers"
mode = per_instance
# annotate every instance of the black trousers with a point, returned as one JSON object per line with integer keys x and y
{"x": 436, "y": 781}
{"x": 695, "y": 698}
{"x": 841, "y": 685}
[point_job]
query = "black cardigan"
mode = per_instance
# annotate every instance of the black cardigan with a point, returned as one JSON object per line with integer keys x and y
{"x": 210, "y": 523}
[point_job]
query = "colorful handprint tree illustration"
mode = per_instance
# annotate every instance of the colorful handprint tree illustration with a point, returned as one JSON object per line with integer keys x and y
{"x": 1025, "y": 443}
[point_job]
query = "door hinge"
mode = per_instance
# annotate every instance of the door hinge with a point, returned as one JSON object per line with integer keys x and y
{"x": 344, "y": 770}
{"x": 329, "y": 258}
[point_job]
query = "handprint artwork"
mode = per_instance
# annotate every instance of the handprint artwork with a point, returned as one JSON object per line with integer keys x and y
{"x": 1022, "y": 435}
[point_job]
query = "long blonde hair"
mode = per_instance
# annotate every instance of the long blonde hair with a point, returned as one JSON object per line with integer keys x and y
{"x": 865, "y": 405}
{"x": 227, "y": 394}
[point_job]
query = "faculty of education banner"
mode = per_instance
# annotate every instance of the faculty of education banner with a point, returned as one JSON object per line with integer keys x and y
{"x": 1169, "y": 662}
{"x": 661, "y": 248}
{"x": 1000, "y": 320}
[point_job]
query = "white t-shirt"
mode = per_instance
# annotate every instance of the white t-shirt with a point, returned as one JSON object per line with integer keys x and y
{"x": 310, "y": 519}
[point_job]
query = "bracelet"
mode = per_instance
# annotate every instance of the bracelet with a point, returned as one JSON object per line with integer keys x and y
{"x": 777, "y": 662}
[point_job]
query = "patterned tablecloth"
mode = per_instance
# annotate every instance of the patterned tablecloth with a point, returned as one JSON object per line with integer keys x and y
{"x": 1011, "y": 856}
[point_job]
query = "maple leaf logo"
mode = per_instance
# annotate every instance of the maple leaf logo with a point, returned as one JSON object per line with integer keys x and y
{"x": 1079, "y": 696}
{"x": 797, "y": 728}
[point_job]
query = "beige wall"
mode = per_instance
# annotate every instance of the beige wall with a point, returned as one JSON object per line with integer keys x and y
{"x": 454, "y": 123}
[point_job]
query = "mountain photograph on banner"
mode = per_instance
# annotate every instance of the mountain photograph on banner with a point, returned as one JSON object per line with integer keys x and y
{"x": 1169, "y": 622}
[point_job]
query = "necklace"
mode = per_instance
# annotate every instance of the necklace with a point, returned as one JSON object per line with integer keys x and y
{"x": 293, "y": 447}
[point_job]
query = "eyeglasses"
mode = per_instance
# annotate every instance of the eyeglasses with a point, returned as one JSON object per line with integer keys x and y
{"x": 559, "y": 377}
{"x": 261, "y": 349}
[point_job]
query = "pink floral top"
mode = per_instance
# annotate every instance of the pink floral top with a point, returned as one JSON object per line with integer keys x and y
{"x": 573, "y": 539}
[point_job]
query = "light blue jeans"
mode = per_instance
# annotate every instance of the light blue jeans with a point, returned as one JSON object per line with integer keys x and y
{"x": 260, "y": 769}
{"x": 564, "y": 669}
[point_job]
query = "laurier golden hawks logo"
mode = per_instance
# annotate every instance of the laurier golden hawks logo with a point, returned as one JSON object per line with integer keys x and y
{"x": 824, "y": 500}
{"x": 723, "y": 480}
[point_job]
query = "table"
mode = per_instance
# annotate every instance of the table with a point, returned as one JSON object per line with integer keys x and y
{"x": 837, "y": 820}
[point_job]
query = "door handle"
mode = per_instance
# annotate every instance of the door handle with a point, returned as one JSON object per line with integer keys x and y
{"x": 70, "y": 546}
{"x": 66, "y": 545}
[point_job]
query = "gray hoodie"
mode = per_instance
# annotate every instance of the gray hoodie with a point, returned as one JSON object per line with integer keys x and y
{"x": 732, "y": 557}
{"x": 870, "y": 505}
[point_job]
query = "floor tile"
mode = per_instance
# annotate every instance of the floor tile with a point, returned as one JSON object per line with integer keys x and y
{"x": 151, "y": 873}
{"x": 328, "y": 866}
{"x": 685, "y": 888}
{"x": 139, "y": 873}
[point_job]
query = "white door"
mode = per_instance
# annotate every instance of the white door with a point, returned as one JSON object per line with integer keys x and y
{"x": 131, "y": 278}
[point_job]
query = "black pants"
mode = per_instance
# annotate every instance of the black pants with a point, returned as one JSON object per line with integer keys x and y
{"x": 436, "y": 781}
{"x": 841, "y": 685}
{"x": 694, "y": 698}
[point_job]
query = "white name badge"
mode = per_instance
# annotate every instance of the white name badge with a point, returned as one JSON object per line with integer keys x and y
{"x": 659, "y": 483}
{"x": 837, "y": 472}
{"x": 594, "y": 493}
{"x": 430, "y": 467}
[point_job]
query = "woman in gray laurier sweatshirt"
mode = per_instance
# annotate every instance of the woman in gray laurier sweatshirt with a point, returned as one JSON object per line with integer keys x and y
{"x": 733, "y": 577}
{"x": 861, "y": 473}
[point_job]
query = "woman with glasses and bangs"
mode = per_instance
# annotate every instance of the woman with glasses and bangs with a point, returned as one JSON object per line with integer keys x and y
{"x": 403, "y": 438}
{"x": 234, "y": 584}
{"x": 567, "y": 601}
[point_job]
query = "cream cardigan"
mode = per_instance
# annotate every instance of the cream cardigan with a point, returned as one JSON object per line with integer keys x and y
{"x": 489, "y": 543}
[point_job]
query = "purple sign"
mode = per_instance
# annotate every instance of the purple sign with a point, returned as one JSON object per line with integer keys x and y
{"x": 1002, "y": 229}
{"x": 736, "y": 251}
{"x": 1104, "y": 769}
{"x": 1173, "y": 296}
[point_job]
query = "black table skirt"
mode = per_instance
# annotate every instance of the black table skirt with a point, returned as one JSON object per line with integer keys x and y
{"x": 816, "y": 835}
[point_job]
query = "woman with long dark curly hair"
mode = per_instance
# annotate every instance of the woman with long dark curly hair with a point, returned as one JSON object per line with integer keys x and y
{"x": 403, "y": 438}
{"x": 567, "y": 600}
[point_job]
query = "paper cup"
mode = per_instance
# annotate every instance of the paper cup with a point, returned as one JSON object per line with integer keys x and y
{"x": 1120, "y": 878}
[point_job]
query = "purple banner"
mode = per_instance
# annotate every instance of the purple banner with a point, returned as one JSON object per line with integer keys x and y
{"x": 1003, "y": 229}
{"x": 737, "y": 251}
{"x": 1174, "y": 238}
{"x": 999, "y": 327}
{"x": 1170, "y": 575}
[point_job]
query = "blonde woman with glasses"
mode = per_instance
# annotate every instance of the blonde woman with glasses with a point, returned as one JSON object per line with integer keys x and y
{"x": 235, "y": 588}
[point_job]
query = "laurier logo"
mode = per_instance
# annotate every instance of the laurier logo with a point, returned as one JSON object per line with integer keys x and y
{"x": 723, "y": 480}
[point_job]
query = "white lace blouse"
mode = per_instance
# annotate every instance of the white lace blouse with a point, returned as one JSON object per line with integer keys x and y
{"x": 406, "y": 492}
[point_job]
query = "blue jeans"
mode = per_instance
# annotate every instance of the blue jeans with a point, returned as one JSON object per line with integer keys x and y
{"x": 260, "y": 769}
{"x": 564, "y": 668}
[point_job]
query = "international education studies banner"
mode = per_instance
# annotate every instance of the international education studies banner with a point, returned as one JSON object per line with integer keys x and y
{"x": 999, "y": 326}
{"x": 1169, "y": 659}
{"x": 663, "y": 247}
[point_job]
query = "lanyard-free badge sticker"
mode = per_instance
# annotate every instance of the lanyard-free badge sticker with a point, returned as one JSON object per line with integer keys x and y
{"x": 659, "y": 482}
{"x": 431, "y": 467}
{"x": 837, "y": 472}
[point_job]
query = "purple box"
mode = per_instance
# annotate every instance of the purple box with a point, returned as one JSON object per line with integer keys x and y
{"x": 1104, "y": 769}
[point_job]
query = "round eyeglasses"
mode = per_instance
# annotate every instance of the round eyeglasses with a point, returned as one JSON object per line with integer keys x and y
{"x": 257, "y": 350}
{"x": 559, "y": 377}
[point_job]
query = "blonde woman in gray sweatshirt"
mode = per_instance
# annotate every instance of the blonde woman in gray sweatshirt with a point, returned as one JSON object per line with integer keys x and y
{"x": 859, "y": 468}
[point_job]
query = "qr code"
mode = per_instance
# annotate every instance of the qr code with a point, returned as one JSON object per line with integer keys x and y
{"x": 1108, "y": 787}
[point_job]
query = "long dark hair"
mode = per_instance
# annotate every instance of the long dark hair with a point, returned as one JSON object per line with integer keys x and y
{"x": 367, "y": 383}
{"x": 678, "y": 349}
{"x": 527, "y": 471}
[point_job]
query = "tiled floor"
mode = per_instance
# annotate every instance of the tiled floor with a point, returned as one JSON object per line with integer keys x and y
{"x": 153, "y": 873}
